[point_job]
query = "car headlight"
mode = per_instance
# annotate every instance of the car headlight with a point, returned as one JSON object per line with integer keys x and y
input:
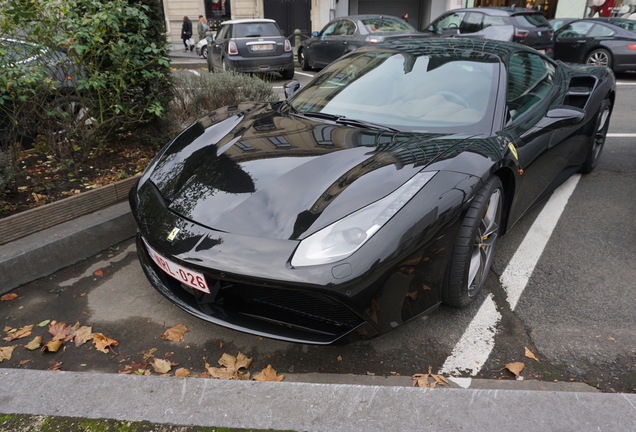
{"x": 342, "y": 238}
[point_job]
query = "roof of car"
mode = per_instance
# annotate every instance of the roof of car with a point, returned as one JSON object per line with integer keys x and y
{"x": 499, "y": 11}
{"x": 361, "y": 17}
{"x": 247, "y": 21}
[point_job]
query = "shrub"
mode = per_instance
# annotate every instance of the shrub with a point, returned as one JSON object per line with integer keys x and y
{"x": 199, "y": 94}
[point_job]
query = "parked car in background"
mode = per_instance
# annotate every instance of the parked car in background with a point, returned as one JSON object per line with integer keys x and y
{"x": 525, "y": 26}
{"x": 345, "y": 34}
{"x": 371, "y": 195}
{"x": 251, "y": 45}
{"x": 607, "y": 42}
{"x": 201, "y": 47}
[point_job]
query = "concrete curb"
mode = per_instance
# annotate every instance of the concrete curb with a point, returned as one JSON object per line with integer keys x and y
{"x": 306, "y": 406}
{"x": 42, "y": 253}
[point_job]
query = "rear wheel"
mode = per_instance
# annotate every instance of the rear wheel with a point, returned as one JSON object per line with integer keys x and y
{"x": 598, "y": 139}
{"x": 474, "y": 247}
{"x": 599, "y": 57}
{"x": 204, "y": 52}
{"x": 287, "y": 74}
{"x": 302, "y": 59}
{"x": 227, "y": 67}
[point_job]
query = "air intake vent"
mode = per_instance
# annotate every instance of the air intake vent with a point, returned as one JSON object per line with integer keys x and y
{"x": 579, "y": 91}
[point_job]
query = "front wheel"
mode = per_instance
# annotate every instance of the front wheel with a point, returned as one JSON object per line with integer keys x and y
{"x": 599, "y": 57}
{"x": 474, "y": 247}
{"x": 598, "y": 139}
{"x": 204, "y": 52}
{"x": 302, "y": 59}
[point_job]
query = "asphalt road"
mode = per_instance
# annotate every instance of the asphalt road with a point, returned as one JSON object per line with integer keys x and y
{"x": 574, "y": 310}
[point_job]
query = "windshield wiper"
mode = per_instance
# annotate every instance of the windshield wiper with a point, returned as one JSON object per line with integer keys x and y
{"x": 362, "y": 123}
{"x": 348, "y": 121}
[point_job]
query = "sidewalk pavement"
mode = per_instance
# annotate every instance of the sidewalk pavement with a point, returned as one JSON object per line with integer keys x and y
{"x": 309, "y": 402}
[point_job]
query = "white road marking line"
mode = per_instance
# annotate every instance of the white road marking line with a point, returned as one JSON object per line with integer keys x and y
{"x": 478, "y": 340}
{"x": 194, "y": 72}
{"x": 305, "y": 74}
{"x": 625, "y": 83}
{"x": 621, "y": 135}
{"x": 475, "y": 345}
{"x": 518, "y": 271}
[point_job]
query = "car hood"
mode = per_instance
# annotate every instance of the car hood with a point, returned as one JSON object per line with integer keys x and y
{"x": 252, "y": 171}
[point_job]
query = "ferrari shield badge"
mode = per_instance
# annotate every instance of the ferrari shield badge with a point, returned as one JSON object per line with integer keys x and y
{"x": 513, "y": 150}
{"x": 173, "y": 234}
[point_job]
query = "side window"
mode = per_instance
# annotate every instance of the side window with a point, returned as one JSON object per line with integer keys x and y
{"x": 346, "y": 28}
{"x": 224, "y": 32}
{"x": 471, "y": 23}
{"x": 450, "y": 21}
{"x": 330, "y": 29}
{"x": 493, "y": 21}
{"x": 530, "y": 79}
{"x": 575, "y": 30}
{"x": 600, "y": 30}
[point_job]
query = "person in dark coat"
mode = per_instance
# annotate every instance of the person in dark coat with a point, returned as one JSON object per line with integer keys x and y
{"x": 186, "y": 32}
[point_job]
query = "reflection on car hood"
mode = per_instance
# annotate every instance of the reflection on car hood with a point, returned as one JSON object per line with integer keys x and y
{"x": 255, "y": 172}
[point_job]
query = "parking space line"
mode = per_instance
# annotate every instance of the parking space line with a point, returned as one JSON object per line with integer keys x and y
{"x": 621, "y": 135}
{"x": 518, "y": 271}
{"x": 478, "y": 340}
{"x": 305, "y": 74}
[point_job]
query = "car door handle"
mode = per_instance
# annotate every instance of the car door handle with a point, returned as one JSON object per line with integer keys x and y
{"x": 580, "y": 41}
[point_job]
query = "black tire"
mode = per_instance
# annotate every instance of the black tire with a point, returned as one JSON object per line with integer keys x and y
{"x": 287, "y": 74}
{"x": 204, "y": 52}
{"x": 599, "y": 57}
{"x": 474, "y": 247}
{"x": 302, "y": 59}
{"x": 597, "y": 142}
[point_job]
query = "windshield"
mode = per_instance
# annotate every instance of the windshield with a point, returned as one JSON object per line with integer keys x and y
{"x": 437, "y": 91}
{"x": 382, "y": 25}
{"x": 531, "y": 20}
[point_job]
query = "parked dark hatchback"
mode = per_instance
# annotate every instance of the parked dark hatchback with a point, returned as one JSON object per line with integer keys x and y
{"x": 607, "y": 42}
{"x": 525, "y": 26}
{"x": 251, "y": 45}
{"x": 345, "y": 34}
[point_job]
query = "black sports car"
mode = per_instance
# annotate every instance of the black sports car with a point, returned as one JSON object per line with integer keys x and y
{"x": 607, "y": 42}
{"x": 370, "y": 196}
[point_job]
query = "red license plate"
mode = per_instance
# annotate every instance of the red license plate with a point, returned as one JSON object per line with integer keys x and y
{"x": 184, "y": 275}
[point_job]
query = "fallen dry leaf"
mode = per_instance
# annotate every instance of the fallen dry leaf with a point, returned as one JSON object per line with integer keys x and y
{"x": 8, "y": 297}
{"x": 232, "y": 364}
{"x": 82, "y": 335}
{"x": 515, "y": 367}
{"x": 19, "y": 334}
{"x": 54, "y": 365}
{"x": 182, "y": 373}
{"x": 529, "y": 354}
{"x": 150, "y": 353}
{"x": 53, "y": 346}
{"x": 135, "y": 368}
{"x": 34, "y": 344}
{"x": 161, "y": 366}
{"x": 44, "y": 323}
{"x": 98, "y": 273}
{"x": 23, "y": 362}
{"x": 268, "y": 374}
{"x": 60, "y": 331}
{"x": 5, "y": 353}
{"x": 102, "y": 343}
{"x": 422, "y": 380}
{"x": 175, "y": 334}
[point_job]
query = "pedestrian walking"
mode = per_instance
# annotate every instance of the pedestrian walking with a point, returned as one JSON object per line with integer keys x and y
{"x": 186, "y": 32}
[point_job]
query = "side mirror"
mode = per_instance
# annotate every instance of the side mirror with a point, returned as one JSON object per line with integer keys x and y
{"x": 315, "y": 34}
{"x": 291, "y": 88}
